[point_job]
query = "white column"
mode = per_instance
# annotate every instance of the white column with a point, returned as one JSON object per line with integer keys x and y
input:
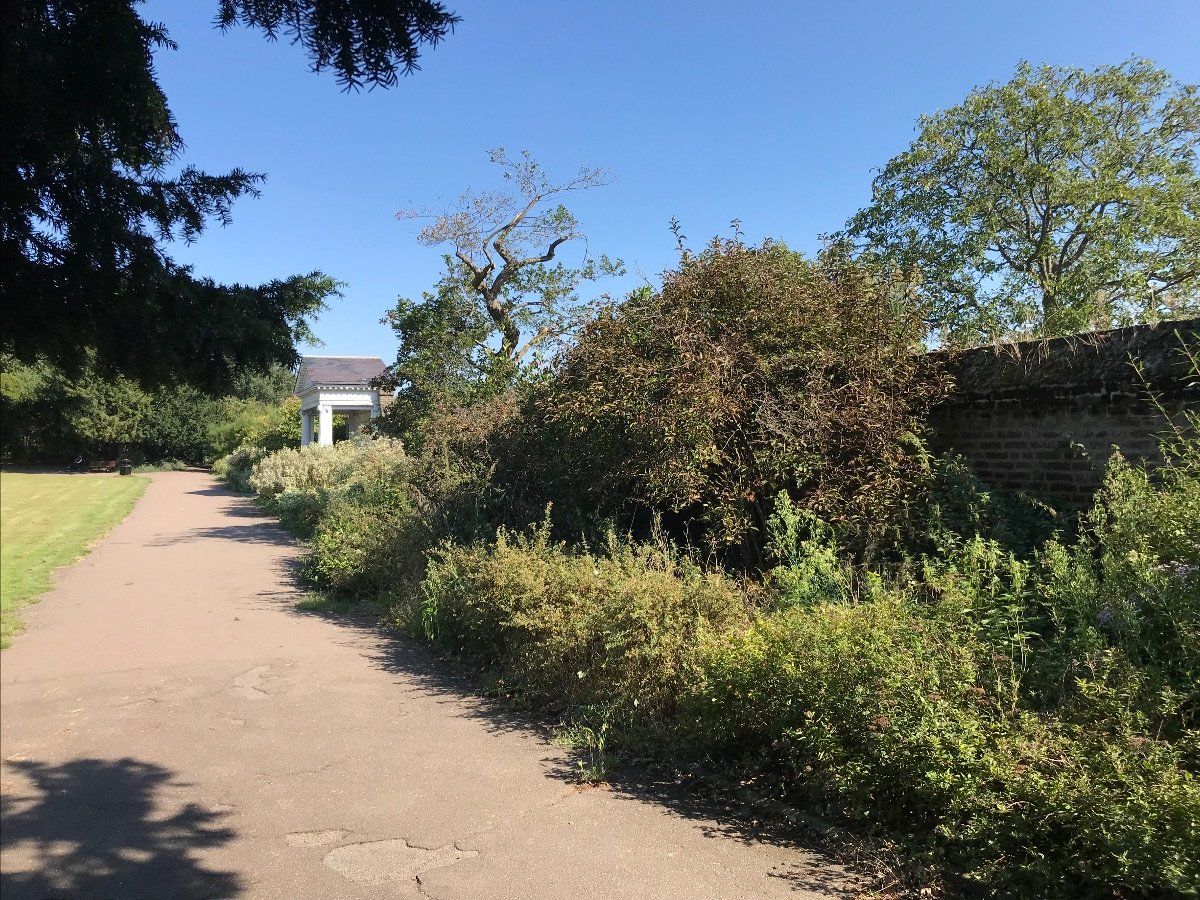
{"x": 325, "y": 427}
{"x": 306, "y": 427}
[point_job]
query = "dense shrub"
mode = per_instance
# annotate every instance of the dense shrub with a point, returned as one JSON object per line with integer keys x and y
{"x": 374, "y": 535}
{"x": 268, "y": 424}
{"x": 951, "y": 502}
{"x": 306, "y": 470}
{"x": 299, "y": 485}
{"x": 612, "y": 633}
{"x": 753, "y": 371}
{"x": 1025, "y": 724}
{"x": 372, "y": 549}
{"x": 884, "y": 713}
{"x": 49, "y": 415}
{"x": 236, "y": 467}
{"x": 870, "y": 706}
{"x": 176, "y": 426}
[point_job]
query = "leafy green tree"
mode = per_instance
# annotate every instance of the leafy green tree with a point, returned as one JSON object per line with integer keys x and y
{"x": 257, "y": 423}
{"x": 22, "y": 424}
{"x": 1062, "y": 200}
{"x": 176, "y": 425}
{"x": 443, "y": 358}
{"x": 91, "y": 187}
{"x": 49, "y": 414}
{"x": 105, "y": 415}
{"x": 272, "y": 386}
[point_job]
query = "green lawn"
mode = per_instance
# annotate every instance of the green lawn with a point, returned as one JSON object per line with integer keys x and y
{"x": 47, "y": 521}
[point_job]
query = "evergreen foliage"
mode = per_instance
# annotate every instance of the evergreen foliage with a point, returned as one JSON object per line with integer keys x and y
{"x": 48, "y": 415}
{"x": 92, "y": 189}
{"x": 364, "y": 42}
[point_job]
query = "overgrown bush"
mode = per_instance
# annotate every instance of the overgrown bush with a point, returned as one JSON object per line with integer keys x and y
{"x": 372, "y": 549}
{"x": 951, "y": 503}
{"x": 871, "y": 707}
{"x": 374, "y": 535}
{"x": 235, "y": 468}
{"x": 611, "y": 634}
{"x": 890, "y": 714}
{"x": 1026, "y": 725}
{"x": 299, "y": 485}
{"x": 754, "y": 371}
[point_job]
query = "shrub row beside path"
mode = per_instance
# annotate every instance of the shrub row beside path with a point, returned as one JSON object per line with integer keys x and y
{"x": 173, "y": 724}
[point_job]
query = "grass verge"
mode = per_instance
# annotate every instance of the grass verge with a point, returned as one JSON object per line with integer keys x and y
{"x": 48, "y": 521}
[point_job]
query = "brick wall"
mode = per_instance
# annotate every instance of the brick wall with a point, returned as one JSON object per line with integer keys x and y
{"x": 1044, "y": 415}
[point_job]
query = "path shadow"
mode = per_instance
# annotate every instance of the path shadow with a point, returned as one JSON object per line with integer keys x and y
{"x": 716, "y": 808}
{"x": 98, "y": 828}
{"x": 253, "y": 533}
{"x": 245, "y": 509}
{"x": 241, "y": 505}
{"x": 216, "y": 491}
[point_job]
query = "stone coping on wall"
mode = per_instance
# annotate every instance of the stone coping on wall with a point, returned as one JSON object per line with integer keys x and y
{"x": 1096, "y": 363}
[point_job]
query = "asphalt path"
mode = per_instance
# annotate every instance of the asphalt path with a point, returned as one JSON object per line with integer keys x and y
{"x": 172, "y": 725}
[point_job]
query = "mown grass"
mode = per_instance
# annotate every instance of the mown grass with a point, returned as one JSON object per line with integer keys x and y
{"x": 48, "y": 521}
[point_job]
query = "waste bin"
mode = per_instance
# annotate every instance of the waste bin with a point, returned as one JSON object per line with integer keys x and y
{"x": 125, "y": 466}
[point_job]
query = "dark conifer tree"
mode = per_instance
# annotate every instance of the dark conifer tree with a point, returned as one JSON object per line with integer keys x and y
{"x": 92, "y": 186}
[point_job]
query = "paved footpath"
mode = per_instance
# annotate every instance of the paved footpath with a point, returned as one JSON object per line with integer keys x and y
{"x": 174, "y": 727}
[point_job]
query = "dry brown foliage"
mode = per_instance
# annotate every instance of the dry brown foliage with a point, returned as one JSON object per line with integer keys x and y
{"x": 753, "y": 371}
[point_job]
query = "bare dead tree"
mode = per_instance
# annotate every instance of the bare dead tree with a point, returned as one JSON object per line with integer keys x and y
{"x": 504, "y": 241}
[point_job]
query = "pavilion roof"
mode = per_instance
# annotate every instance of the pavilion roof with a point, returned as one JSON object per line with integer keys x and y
{"x": 338, "y": 370}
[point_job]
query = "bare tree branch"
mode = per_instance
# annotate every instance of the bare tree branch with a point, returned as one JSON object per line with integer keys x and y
{"x": 498, "y": 236}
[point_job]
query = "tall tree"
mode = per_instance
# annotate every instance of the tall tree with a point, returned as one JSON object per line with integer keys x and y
{"x": 1062, "y": 200}
{"x": 91, "y": 187}
{"x": 363, "y": 41}
{"x": 504, "y": 245}
{"x": 443, "y": 357}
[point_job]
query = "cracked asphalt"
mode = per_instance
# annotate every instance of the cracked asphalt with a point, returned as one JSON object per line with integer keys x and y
{"x": 173, "y": 726}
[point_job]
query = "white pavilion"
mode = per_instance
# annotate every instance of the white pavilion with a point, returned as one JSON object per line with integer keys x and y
{"x": 336, "y": 385}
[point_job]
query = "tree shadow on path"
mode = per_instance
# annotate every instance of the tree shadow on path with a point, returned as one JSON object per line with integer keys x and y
{"x": 254, "y": 533}
{"x": 101, "y": 828}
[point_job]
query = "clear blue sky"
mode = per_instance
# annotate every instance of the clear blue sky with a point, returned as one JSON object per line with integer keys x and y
{"x": 772, "y": 112}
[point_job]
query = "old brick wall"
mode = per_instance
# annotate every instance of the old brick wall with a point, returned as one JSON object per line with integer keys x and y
{"x": 1044, "y": 416}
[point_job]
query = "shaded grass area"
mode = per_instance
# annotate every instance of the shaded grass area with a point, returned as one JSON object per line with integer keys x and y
{"x": 339, "y": 605}
{"x": 48, "y": 521}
